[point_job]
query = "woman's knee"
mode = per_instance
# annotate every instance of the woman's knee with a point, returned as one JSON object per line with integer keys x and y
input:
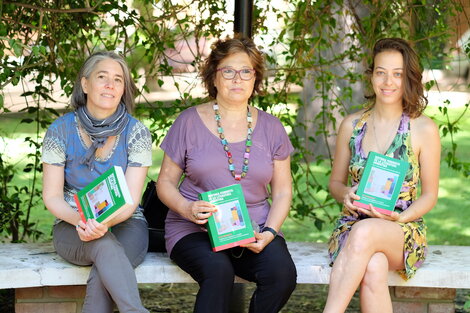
{"x": 362, "y": 236}
{"x": 376, "y": 271}
{"x": 217, "y": 269}
{"x": 106, "y": 246}
{"x": 279, "y": 271}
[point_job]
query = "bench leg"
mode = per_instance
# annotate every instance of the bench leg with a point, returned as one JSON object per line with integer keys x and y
{"x": 52, "y": 299}
{"x": 421, "y": 299}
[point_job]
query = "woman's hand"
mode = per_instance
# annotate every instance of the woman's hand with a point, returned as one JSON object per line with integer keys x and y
{"x": 372, "y": 212}
{"x": 262, "y": 240}
{"x": 349, "y": 198}
{"x": 199, "y": 211}
{"x": 91, "y": 230}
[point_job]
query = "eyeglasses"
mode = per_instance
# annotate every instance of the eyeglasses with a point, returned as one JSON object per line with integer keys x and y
{"x": 230, "y": 73}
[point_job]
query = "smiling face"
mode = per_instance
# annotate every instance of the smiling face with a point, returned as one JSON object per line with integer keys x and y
{"x": 234, "y": 90}
{"x": 104, "y": 88}
{"x": 388, "y": 77}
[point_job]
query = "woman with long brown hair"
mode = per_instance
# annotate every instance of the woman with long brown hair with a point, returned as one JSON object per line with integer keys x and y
{"x": 365, "y": 243}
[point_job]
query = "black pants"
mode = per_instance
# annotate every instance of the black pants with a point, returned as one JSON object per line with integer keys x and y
{"x": 272, "y": 270}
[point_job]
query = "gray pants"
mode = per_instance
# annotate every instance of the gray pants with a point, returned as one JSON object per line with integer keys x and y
{"x": 113, "y": 258}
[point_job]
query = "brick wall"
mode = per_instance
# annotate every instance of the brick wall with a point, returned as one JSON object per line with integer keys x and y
{"x": 69, "y": 299}
{"x": 422, "y": 300}
{"x": 54, "y": 299}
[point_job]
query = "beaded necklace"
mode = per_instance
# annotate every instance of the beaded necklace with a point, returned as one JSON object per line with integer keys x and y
{"x": 248, "y": 143}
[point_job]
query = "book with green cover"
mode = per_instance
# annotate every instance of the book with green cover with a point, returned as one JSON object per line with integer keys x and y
{"x": 103, "y": 197}
{"x": 231, "y": 225}
{"x": 381, "y": 182}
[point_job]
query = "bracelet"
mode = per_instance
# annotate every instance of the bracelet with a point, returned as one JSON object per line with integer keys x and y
{"x": 272, "y": 231}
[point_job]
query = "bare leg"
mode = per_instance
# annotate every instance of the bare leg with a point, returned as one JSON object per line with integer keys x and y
{"x": 367, "y": 237}
{"x": 374, "y": 294}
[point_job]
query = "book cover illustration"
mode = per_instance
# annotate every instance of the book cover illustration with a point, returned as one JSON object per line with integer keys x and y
{"x": 229, "y": 217}
{"x": 381, "y": 182}
{"x": 231, "y": 225}
{"x": 102, "y": 198}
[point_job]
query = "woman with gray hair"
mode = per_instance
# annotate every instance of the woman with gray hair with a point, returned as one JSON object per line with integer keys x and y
{"x": 79, "y": 147}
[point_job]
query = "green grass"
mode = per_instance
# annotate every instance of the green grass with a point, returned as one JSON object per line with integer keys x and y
{"x": 445, "y": 221}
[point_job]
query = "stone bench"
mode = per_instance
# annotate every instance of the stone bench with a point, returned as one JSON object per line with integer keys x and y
{"x": 42, "y": 279}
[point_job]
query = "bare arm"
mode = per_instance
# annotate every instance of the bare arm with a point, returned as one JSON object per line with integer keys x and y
{"x": 281, "y": 192}
{"x": 425, "y": 136}
{"x": 426, "y": 145}
{"x": 53, "y": 194}
{"x": 167, "y": 189}
{"x": 135, "y": 178}
{"x": 53, "y": 197}
{"x": 338, "y": 184}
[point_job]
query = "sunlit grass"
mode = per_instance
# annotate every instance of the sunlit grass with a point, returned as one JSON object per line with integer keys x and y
{"x": 446, "y": 222}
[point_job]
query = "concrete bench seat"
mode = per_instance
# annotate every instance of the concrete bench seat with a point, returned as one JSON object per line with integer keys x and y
{"x": 37, "y": 265}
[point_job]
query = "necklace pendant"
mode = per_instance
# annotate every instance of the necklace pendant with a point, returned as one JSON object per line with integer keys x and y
{"x": 238, "y": 177}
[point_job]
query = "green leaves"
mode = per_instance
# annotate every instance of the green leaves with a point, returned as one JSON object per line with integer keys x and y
{"x": 316, "y": 62}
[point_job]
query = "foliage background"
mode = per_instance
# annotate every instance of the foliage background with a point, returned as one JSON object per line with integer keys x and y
{"x": 323, "y": 46}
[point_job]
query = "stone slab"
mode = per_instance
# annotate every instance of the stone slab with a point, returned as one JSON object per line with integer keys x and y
{"x": 37, "y": 264}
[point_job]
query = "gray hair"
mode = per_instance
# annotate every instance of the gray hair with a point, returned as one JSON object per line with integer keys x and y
{"x": 79, "y": 98}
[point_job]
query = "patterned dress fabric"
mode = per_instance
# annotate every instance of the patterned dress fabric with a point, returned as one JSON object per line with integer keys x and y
{"x": 415, "y": 248}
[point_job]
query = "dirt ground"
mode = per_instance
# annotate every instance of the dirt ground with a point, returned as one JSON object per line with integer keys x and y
{"x": 179, "y": 298}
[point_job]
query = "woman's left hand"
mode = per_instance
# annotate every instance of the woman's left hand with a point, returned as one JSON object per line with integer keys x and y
{"x": 262, "y": 240}
{"x": 91, "y": 230}
{"x": 372, "y": 212}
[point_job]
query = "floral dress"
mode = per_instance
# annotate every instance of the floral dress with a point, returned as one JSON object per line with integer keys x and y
{"x": 415, "y": 247}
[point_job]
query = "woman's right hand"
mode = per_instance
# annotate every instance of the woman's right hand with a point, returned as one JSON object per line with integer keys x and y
{"x": 349, "y": 197}
{"x": 199, "y": 211}
{"x": 91, "y": 230}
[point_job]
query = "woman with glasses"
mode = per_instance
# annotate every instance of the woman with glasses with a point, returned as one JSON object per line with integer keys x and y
{"x": 223, "y": 142}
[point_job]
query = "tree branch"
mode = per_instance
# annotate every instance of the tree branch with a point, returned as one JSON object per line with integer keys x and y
{"x": 43, "y": 9}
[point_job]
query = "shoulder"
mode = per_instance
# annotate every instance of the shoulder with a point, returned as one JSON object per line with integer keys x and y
{"x": 185, "y": 119}
{"x": 424, "y": 135}
{"x": 136, "y": 124}
{"x": 269, "y": 119}
{"x": 64, "y": 120}
{"x": 188, "y": 113}
{"x": 350, "y": 121}
{"x": 137, "y": 132}
{"x": 62, "y": 125}
{"x": 423, "y": 124}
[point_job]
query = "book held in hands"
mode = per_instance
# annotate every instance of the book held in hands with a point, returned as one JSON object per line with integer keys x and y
{"x": 103, "y": 198}
{"x": 231, "y": 225}
{"x": 381, "y": 182}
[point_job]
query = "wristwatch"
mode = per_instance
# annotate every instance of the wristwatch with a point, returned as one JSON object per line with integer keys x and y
{"x": 269, "y": 229}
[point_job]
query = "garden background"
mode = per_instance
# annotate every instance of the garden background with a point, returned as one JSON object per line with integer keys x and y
{"x": 316, "y": 54}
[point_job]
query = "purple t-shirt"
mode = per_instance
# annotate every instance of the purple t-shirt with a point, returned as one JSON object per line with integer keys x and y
{"x": 200, "y": 154}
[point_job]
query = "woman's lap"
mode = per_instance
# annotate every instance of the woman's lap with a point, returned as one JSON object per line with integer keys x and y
{"x": 130, "y": 235}
{"x": 194, "y": 252}
{"x": 414, "y": 247}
